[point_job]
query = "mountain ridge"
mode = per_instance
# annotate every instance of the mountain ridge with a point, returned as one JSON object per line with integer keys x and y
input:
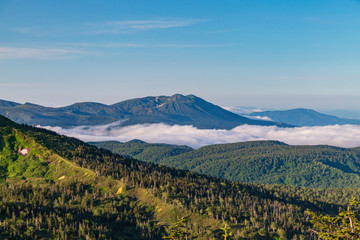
{"x": 176, "y": 109}
{"x": 305, "y": 117}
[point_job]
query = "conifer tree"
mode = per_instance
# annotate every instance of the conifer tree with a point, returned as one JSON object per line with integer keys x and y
{"x": 345, "y": 226}
{"x": 227, "y": 232}
{"x": 178, "y": 230}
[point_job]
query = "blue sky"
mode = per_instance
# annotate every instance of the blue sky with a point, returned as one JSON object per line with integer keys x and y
{"x": 268, "y": 53}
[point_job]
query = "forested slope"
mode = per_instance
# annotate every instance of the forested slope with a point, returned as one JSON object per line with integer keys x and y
{"x": 262, "y": 162}
{"x": 144, "y": 151}
{"x": 76, "y": 190}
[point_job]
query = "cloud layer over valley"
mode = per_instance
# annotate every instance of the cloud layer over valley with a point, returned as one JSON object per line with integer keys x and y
{"x": 336, "y": 135}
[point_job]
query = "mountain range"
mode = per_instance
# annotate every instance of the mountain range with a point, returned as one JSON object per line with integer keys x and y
{"x": 177, "y": 109}
{"x": 304, "y": 117}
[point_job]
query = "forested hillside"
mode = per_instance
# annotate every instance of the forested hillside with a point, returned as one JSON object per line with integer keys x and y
{"x": 144, "y": 151}
{"x": 53, "y": 186}
{"x": 260, "y": 162}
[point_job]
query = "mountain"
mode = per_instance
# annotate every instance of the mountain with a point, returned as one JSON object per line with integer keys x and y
{"x": 259, "y": 162}
{"x": 305, "y": 117}
{"x": 4, "y": 103}
{"x": 177, "y": 109}
{"x": 344, "y": 113}
{"x": 53, "y": 186}
{"x": 33, "y": 114}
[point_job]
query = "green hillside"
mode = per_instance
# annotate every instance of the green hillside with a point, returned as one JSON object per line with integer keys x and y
{"x": 56, "y": 187}
{"x": 144, "y": 151}
{"x": 262, "y": 162}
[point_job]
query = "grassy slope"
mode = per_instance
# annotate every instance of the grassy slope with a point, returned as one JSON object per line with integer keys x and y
{"x": 42, "y": 167}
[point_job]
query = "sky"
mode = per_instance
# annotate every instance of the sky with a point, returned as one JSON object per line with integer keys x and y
{"x": 263, "y": 53}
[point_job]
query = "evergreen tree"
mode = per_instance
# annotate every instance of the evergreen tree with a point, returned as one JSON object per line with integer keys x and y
{"x": 227, "y": 232}
{"x": 342, "y": 227}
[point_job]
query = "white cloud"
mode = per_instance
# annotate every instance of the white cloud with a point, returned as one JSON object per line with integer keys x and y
{"x": 336, "y": 135}
{"x": 137, "y": 45}
{"x": 129, "y": 26}
{"x": 165, "y": 45}
{"x": 265, "y": 118}
{"x": 19, "y": 53}
{"x": 245, "y": 110}
{"x": 105, "y": 45}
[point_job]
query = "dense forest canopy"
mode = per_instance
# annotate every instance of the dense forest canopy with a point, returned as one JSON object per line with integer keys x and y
{"x": 256, "y": 162}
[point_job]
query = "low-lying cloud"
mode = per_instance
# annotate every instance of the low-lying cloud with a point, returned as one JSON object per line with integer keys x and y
{"x": 336, "y": 135}
{"x": 265, "y": 118}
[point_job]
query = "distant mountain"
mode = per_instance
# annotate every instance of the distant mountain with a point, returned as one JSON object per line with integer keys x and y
{"x": 4, "y": 103}
{"x": 259, "y": 162}
{"x": 305, "y": 117}
{"x": 344, "y": 113}
{"x": 177, "y": 109}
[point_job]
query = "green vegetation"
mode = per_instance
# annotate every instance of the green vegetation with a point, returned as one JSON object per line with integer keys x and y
{"x": 179, "y": 230}
{"x": 227, "y": 232}
{"x": 259, "y": 162}
{"x": 77, "y": 191}
{"x": 342, "y": 227}
{"x": 142, "y": 150}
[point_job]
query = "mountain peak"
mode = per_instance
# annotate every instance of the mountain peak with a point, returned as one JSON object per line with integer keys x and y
{"x": 177, "y": 96}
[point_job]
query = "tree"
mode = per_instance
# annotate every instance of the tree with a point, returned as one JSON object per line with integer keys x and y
{"x": 343, "y": 227}
{"x": 227, "y": 232}
{"x": 178, "y": 230}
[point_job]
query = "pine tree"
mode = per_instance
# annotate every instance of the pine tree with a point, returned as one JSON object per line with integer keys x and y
{"x": 178, "y": 230}
{"x": 227, "y": 232}
{"x": 343, "y": 227}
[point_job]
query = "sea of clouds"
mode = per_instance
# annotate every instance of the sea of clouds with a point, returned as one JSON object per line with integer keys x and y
{"x": 335, "y": 135}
